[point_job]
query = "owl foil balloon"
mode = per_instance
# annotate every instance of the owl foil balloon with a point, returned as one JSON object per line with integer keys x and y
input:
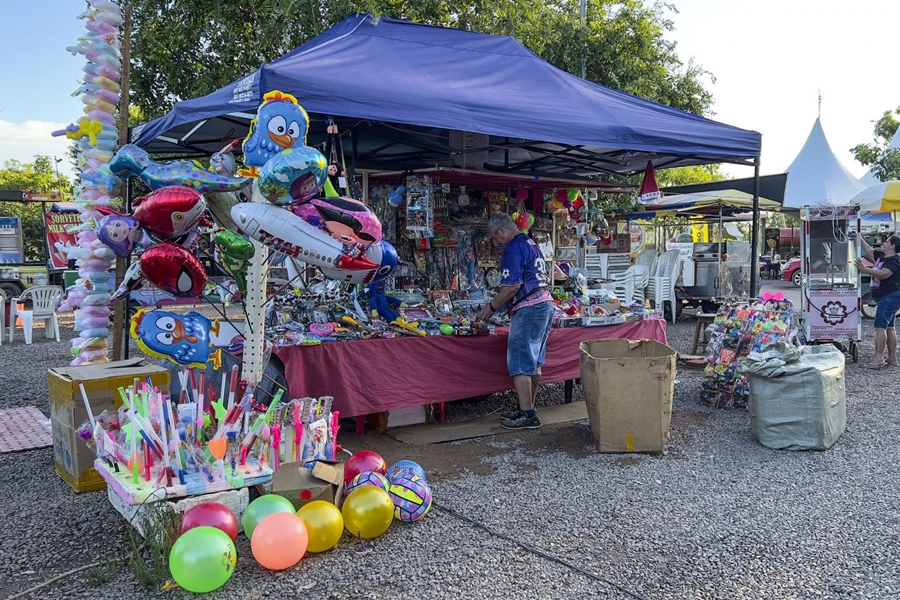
{"x": 183, "y": 339}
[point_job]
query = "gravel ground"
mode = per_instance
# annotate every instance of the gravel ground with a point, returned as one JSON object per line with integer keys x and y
{"x": 537, "y": 514}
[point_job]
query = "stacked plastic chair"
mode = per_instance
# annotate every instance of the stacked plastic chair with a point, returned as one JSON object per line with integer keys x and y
{"x": 661, "y": 287}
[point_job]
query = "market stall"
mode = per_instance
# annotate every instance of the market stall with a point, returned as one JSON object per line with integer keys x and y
{"x": 372, "y": 376}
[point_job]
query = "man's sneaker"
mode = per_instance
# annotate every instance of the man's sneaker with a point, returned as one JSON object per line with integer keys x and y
{"x": 522, "y": 422}
{"x": 511, "y": 414}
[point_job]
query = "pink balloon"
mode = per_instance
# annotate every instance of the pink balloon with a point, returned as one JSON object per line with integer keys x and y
{"x": 211, "y": 514}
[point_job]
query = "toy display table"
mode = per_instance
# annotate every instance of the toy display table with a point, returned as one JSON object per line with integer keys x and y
{"x": 371, "y": 376}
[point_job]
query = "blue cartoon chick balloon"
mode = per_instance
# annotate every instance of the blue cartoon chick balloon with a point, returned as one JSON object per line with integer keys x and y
{"x": 183, "y": 339}
{"x": 280, "y": 124}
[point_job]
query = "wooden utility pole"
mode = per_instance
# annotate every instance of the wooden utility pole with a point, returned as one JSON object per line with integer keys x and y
{"x": 122, "y": 263}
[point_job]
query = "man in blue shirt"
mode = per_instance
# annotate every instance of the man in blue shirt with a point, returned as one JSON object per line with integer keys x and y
{"x": 525, "y": 295}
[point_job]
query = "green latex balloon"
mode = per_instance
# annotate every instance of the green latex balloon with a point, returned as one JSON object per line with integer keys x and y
{"x": 202, "y": 559}
{"x": 261, "y": 508}
{"x": 447, "y": 329}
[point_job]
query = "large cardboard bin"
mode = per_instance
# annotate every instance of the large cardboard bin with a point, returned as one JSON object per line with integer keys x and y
{"x": 628, "y": 390}
{"x": 73, "y": 459}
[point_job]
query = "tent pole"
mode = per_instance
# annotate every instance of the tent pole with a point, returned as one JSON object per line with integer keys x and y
{"x": 754, "y": 236}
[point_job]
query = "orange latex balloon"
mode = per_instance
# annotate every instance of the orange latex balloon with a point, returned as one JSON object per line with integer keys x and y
{"x": 279, "y": 541}
{"x": 217, "y": 448}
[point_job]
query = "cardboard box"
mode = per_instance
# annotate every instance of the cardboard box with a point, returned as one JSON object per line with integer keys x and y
{"x": 628, "y": 390}
{"x": 325, "y": 481}
{"x": 73, "y": 459}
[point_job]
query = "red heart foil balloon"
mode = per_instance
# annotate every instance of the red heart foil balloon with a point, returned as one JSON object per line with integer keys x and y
{"x": 173, "y": 269}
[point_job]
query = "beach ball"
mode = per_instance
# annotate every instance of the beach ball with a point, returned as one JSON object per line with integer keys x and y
{"x": 411, "y": 497}
{"x": 368, "y": 478}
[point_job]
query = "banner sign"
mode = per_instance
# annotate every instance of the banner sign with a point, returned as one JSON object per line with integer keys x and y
{"x": 57, "y": 225}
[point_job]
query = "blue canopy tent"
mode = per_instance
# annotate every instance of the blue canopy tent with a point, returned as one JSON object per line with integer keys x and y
{"x": 412, "y": 96}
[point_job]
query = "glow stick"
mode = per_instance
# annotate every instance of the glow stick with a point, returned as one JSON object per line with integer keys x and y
{"x": 233, "y": 389}
{"x": 87, "y": 406}
{"x": 162, "y": 429}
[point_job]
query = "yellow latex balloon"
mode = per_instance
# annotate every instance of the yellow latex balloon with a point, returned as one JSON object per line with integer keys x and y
{"x": 324, "y": 523}
{"x": 368, "y": 512}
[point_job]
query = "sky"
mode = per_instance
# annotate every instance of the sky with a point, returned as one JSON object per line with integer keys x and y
{"x": 771, "y": 60}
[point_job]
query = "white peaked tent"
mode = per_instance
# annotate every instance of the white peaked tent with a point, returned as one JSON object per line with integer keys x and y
{"x": 817, "y": 176}
{"x": 868, "y": 179}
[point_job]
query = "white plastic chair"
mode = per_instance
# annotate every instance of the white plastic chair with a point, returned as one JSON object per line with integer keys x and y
{"x": 624, "y": 286}
{"x": 641, "y": 280}
{"x": 44, "y": 300}
{"x": 647, "y": 257}
{"x": 3, "y": 300}
{"x": 661, "y": 287}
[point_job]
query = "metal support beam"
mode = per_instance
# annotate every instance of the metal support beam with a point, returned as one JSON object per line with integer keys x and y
{"x": 754, "y": 236}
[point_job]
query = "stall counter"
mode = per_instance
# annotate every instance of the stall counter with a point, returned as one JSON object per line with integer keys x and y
{"x": 372, "y": 376}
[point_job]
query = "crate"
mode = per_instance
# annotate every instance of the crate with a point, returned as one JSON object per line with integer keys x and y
{"x": 236, "y": 500}
{"x": 73, "y": 459}
{"x": 628, "y": 391}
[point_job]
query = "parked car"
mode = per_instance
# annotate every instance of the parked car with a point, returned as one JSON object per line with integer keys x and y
{"x": 791, "y": 271}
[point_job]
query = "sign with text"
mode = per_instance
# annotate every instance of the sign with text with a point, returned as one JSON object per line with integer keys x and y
{"x": 57, "y": 225}
{"x": 833, "y": 314}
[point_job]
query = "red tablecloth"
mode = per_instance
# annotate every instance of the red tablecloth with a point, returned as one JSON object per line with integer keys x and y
{"x": 370, "y": 376}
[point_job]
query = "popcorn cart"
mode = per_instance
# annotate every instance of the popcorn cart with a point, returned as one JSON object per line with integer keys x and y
{"x": 830, "y": 308}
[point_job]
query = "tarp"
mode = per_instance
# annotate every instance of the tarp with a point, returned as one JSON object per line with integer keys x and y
{"x": 817, "y": 176}
{"x": 415, "y": 85}
{"x": 730, "y": 201}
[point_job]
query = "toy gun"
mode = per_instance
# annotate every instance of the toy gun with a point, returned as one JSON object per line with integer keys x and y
{"x": 407, "y": 327}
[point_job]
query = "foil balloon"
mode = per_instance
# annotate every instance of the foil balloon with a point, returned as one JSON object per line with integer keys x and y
{"x": 120, "y": 232}
{"x": 280, "y": 124}
{"x": 293, "y": 175}
{"x": 347, "y": 220}
{"x": 285, "y": 232}
{"x": 133, "y": 161}
{"x": 173, "y": 269}
{"x": 182, "y": 339}
{"x": 235, "y": 251}
{"x": 384, "y": 257}
{"x": 170, "y": 212}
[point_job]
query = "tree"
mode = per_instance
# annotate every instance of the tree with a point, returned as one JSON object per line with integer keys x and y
{"x": 39, "y": 176}
{"x": 183, "y": 50}
{"x": 884, "y": 162}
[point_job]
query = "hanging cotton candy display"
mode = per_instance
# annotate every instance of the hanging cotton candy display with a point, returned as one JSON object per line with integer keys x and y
{"x": 96, "y": 137}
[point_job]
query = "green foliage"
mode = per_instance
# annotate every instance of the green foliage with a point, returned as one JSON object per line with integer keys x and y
{"x": 105, "y": 571}
{"x": 184, "y": 50}
{"x": 884, "y": 162}
{"x": 39, "y": 176}
{"x": 149, "y": 558}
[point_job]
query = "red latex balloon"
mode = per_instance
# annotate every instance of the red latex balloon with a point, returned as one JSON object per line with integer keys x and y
{"x": 211, "y": 514}
{"x": 170, "y": 211}
{"x": 362, "y": 461}
{"x": 173, "y": 269}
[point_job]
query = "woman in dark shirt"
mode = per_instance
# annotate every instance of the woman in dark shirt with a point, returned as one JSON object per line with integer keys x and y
{"x": 885, "y": 274}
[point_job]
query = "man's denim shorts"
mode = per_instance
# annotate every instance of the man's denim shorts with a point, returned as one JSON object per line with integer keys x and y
{"x": 529, "y": 329}
{"x": 886, "y": 310}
